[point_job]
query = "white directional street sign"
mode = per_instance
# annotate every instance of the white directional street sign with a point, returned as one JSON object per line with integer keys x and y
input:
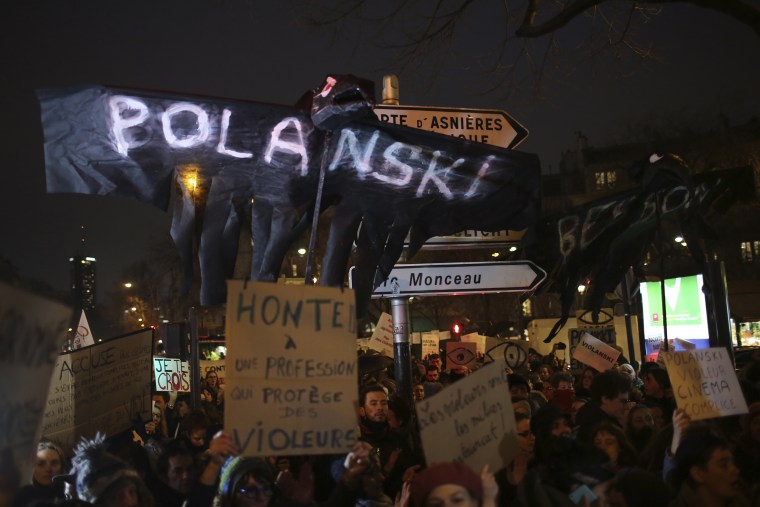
{"x": 460, "y": 278}
{"x": 489, "y": 126}
{"x": 473, "y": 239}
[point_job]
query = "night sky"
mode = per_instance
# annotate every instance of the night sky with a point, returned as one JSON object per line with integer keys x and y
{"x": 706, "y": 63}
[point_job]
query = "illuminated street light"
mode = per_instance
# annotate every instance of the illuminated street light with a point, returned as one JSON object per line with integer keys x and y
{"x": 513, "y": 248}
{"x": 581, "y": 289}
{"x": 301, "y": 251}
{"x": 679, "y": 239}
{"x": 495, "y": 254}
{"x": 134, "y": 308}
{"x": 128, "y": 285}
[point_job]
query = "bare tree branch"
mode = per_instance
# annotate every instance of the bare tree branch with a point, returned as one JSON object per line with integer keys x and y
{"x": 742, "y": 12}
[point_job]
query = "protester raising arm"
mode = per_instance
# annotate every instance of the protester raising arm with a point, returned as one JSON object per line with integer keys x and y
{"x": 681, "y": 422}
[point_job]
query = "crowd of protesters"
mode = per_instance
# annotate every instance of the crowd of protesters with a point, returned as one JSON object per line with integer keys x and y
{"x": 612, "y": 438}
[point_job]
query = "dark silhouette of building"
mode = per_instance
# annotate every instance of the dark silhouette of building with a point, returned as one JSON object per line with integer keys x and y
{"x": 83, "y": 282}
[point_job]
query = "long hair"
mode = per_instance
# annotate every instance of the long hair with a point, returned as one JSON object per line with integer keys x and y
{"x": 626, "y": 453}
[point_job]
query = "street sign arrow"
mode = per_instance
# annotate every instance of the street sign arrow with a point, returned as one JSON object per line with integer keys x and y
{"x": 459, "y": 278}
{"x": 489, "y": 126}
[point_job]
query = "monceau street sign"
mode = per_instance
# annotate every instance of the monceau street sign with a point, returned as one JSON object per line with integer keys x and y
{"x": 489, "y": 126}
{"x": 459, "y": 278}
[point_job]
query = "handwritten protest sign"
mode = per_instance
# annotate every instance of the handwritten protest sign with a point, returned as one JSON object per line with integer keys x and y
{"x": 430, "y": 343}
{"x": 102, "y": 387}
{"x": 171, "y": 374}
{"x": 461, "y": 355}
{"x": 595, "y": 353}
{"x": 292, "y": 384}
{"x": 32, "y": 330}
{"x": 217, "y": 367}
{"x": 478, "y": 339}
{"x": 83, "y": 336}
{"x": 474, "y": 418}
{"x": 704, "y": 383}
{"x": 382, "y": 336}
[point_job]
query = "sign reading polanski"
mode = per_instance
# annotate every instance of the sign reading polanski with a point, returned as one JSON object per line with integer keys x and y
{"x": 291, "y": 387}
{"x": 705, "y": 383}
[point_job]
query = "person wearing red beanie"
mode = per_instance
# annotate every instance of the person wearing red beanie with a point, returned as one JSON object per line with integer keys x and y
{"x": 448, "y": 484}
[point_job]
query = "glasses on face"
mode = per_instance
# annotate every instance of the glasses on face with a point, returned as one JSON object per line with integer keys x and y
{"x": 256, "y": 491}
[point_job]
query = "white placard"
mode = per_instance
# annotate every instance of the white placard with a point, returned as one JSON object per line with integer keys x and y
{"x": 704, "y": 383}
{"x": 474, "y": 418}
{"x": 430, "y": 343}
{"x": 382, "y": 337}
{"x": 171, "y": 374}
{"x": 595, "y": 353}
{"x": 83, "y": 336}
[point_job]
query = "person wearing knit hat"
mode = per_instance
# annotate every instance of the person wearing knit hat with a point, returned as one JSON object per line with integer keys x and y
{"x": 246, "y": 482}
{"x": 449, "y": 483}
{"x": 105, "y": 480}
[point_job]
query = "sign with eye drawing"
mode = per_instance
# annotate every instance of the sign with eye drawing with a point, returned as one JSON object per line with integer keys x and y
{"x": 461, "y": 355}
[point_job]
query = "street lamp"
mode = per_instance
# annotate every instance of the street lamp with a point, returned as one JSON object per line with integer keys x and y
{"x": 128, "y": 285}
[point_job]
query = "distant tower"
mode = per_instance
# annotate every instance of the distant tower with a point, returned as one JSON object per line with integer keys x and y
{"x": 83, "y": 277}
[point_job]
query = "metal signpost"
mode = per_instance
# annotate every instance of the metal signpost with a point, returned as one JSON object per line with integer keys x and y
{"x": 487, "y": 126}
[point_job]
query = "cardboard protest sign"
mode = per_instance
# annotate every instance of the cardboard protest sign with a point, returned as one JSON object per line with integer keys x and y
{"x": 474, "y": 418}
{"x": 103, "y": 387}
{"x": 513, "y": 352}
{"x": 382, "y": 336}
{"x": 216, "y": 366}
{"x": 32, "y": 330}
{"x": 430, "y": 343}
{"x": 595, "y": 353}
{"x": 478, "y": 339}
{"x": 704, "y": 383}
{"x": 171, "y": 374}
{"x": 604, "y": 333}
{"x": 461, "y": 354}
{"x": 292, "y": 384}
{"x": 83, "y": 335}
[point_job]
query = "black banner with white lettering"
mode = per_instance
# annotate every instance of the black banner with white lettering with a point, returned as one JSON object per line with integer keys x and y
{"x": 222, "y": 154}
{"x": 599, "y": 242}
